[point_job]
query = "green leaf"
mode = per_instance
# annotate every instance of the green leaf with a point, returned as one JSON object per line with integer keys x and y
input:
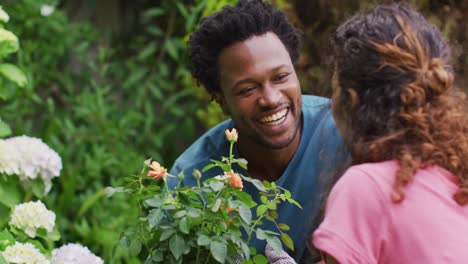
{"x": 292, "y": 201}
{"x": 171, "y": 48}
{"x": 242, "y": 163}
{"x": 10, "y": 191}
{"x": 38, "y": 188}
{"x": 180, "y": 214}
{"x": 155, "y": 201}
{"x": 259, "y": 185}
{"x": 271, "y": 205}
{"x": 209, "y": 166}
{"x": 6, "y": 238}
{"x": 284, "y": 227}
{"x": 54, "y": 235}
{"x": 275, "y": 243}
{"x": 218, "y": 251}
{"x": 245, "y": 198}
{"x": 5, "y": 129}
{"x": 245, "y": 214}
{"x": 184, "y": 226}
{"x": 154, "y": 217}
{"x": 193, "y": 212}
{"x": 223, "y": 166}
{"x": 177, "y": 246}
{"x": 153, "y": 12}
{"x": 167, "y": 233}
{"x": 260, "y": 259}
{"x": 261, "y": 234}
{"x": 147, "y": 51}
{"x": 216, "y": 205}
{"x": 216, "y": 185}
{"x": 203, "y": 240}
{"x": 245, "y": 249}
{"x": 8, "y": 42}
{"x": 287, "y": 241}
{"x": 135, "y": 247}
{"x": 274, "y": 214}
{"x": 261, "y": 209}
{"x": 14, "y": 74}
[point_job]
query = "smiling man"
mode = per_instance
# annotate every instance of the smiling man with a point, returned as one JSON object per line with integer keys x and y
{"x": 243, "y": 56}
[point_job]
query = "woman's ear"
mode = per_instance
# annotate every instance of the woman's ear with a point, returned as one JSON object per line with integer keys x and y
{"x": 353, "y": 97}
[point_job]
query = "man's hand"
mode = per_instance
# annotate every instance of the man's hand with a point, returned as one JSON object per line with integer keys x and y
{"x": 278, "y": 257}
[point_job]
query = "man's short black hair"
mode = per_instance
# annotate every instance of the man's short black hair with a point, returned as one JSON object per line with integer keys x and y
{"x": 235, "y": 24}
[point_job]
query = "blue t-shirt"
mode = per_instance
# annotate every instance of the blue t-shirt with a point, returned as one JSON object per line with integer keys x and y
{"x": 315, "y": 157}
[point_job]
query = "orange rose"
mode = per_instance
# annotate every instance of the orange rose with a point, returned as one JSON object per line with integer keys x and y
{"x": 157, "y": 171}
{"x": 229, "y": 209}
{"x": 235, "y": 180}
{"x": 232, "y": 135}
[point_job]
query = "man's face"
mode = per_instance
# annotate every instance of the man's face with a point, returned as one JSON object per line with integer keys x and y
{"x": 260, "y": 91}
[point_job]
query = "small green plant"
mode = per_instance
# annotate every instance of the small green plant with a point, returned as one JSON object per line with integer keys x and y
{"x": 11, "y": 76}
{"x": 208, "y": 223}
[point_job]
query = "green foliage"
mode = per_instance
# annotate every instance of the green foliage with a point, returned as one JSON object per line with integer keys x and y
{"x": 203, "y": 223}
{"x": 103, "y": 108}
{"x": 11, "y": 77}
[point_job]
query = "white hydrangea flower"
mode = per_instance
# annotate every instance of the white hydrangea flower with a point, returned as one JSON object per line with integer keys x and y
{"x": 3, "y": 15}
{"x": 47, "y": 10}
{"x": 9, "y": 159}
{"x": 74, "y": 254}
{"x": 36, "y": 159}
{"x": 32, "y": 215}
{"x": 25, "y": 253}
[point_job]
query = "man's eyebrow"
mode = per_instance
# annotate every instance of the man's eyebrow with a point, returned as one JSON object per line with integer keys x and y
{"x": 279, "y": 67}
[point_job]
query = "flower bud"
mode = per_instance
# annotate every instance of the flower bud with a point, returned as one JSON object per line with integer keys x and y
{"x": 181, "y": 176}
{"x": 197, "y": 174}
{"x": 232, "y": 135}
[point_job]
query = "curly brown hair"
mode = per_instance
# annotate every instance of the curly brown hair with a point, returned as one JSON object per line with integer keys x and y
{"x": 397, "y": 98}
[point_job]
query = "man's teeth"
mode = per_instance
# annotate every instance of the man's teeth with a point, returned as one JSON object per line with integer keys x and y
{"x": 275, "y": 119}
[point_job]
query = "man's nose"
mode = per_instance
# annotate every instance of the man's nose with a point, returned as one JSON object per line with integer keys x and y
{"x": 271, "y": 96}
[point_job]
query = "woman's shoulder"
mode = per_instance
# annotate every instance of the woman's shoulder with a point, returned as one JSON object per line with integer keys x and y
{"x": 369, "y": 178}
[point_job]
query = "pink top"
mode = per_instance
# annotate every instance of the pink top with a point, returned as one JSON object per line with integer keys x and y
{"x": 363, "y": 225}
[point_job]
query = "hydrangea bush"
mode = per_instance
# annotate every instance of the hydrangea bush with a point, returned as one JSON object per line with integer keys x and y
{"x": 212, "y": 222}
{"x": 27, "y": 166}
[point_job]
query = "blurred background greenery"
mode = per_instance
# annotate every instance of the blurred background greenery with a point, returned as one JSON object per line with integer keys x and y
{"x": 109, "y": 86}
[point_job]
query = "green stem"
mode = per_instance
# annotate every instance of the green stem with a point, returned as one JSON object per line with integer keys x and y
{"x": 253, "y": 227}
{"x": 230, "y": 154}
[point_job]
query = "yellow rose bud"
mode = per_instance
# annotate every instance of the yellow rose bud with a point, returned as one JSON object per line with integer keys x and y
{"x": 232, "y": 135}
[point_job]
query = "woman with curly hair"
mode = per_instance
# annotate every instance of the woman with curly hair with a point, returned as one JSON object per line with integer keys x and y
{"x": 404, "y": 199}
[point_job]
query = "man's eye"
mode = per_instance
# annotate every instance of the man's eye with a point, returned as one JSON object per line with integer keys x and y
{"x": 246, "y": 90}
{"x": 281, "y": 77}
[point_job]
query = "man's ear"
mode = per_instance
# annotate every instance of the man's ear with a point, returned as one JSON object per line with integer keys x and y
{"x": 220, "y": 99}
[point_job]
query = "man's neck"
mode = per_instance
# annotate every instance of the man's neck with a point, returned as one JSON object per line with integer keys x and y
{"x": 267, "y": 163}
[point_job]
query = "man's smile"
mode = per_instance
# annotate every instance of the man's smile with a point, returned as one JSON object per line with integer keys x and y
{"x": 275, "y": 118}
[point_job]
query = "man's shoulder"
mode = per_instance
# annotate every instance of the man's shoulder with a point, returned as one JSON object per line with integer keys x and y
{"x": 314, "y": 102}
{"x": 211, "y": 144}
{"x": 317, "y": 111}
